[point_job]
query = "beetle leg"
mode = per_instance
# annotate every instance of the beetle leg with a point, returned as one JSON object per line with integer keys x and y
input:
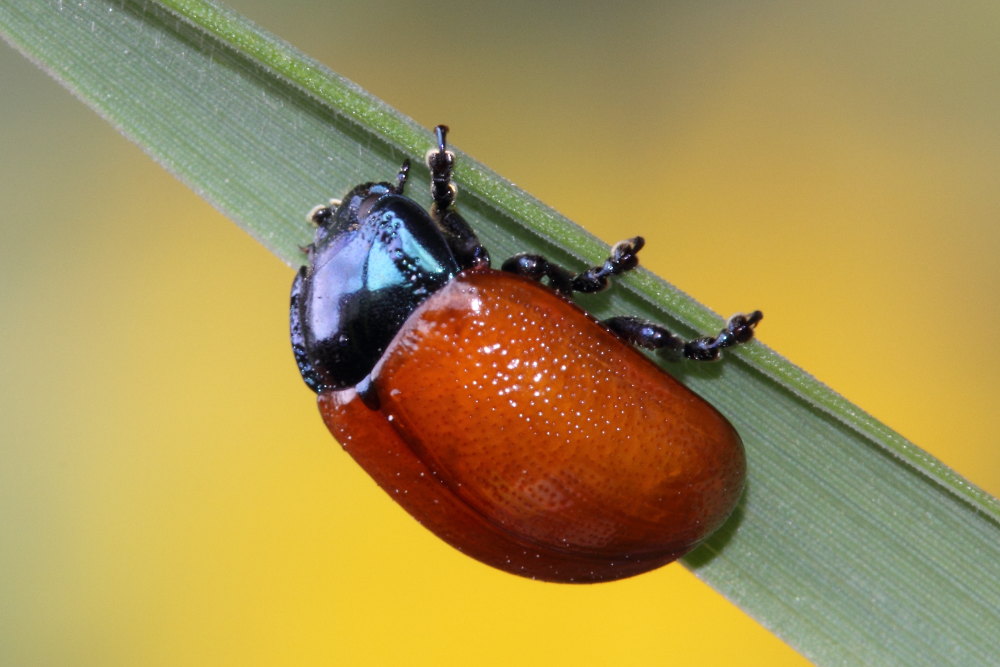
{"x": 739, "y": 329}
{"x": 537, "y": 267}
{"x": 441, "y": 163}
{"x": 461, "y": 239}
{"x": 464, "y": 243}
{"x": 645, "y": 334}
{"x": 624, "y": 257}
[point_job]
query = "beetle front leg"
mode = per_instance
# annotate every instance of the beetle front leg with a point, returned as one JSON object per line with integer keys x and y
{"x": 642, "y": 333}
{"x": 624, "y": 257}
{"x": 441, "y": 163}
{"x": 461, "y": 239}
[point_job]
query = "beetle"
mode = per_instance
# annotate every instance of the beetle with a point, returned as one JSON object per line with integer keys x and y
{"x": 503, "y": 417}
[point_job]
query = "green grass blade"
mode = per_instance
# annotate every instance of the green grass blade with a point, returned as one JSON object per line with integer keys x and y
{"x": 851, "y": 543}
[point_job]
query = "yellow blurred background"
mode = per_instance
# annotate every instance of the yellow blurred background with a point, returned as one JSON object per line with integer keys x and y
{"x": 168, "y": 493}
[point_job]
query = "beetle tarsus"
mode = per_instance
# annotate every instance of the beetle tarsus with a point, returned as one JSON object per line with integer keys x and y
{"x": 651, "y": 336}
{"x": 738, "y": 330}
{"x": 624, "y": 257}
{"x": 441, "y": 163}
{"x": 463, "y": 242}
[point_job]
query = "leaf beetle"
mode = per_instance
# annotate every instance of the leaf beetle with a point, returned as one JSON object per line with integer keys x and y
{"x": 504, "y": 418}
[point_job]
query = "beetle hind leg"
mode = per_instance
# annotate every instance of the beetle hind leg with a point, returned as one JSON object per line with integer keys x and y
{"x": 642, "y": 333}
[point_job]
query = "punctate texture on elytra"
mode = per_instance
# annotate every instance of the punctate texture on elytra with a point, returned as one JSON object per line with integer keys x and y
{"x": 518, "y": 429}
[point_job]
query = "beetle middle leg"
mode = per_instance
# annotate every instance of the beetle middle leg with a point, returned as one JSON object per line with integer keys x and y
{"x": 645, "y": 334}
{"x": 624, "y": 257}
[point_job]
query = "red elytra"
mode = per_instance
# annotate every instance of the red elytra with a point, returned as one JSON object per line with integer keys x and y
{"x": 518, "y": 429}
